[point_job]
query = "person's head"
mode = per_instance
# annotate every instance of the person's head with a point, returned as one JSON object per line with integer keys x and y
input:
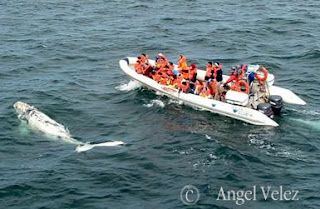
{"x": 181, "y": 56}
{"x": 216, "y": 64}
{"x": 209, "y": 64}
{"x": 193, "y": 66}
{"x": 138, "y": 61}
{"x": 143, "y": 54}
{"x": 139, "y": 58}
{"x": 170, "y": 63}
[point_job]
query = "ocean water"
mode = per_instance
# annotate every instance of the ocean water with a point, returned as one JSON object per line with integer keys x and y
{"x": 62, "y": 57}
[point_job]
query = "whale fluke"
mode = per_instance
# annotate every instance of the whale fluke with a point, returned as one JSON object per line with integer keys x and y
{"x": 86, "y": 146}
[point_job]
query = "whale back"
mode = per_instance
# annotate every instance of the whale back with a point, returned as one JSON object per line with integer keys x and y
{"x": 40, "y": 121}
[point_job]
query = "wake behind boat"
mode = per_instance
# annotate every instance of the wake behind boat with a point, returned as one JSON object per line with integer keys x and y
{"x": 248, "y": 96}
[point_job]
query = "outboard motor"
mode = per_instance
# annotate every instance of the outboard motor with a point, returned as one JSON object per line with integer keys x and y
{"x": 266, "y": 109}
{"x": 276, "y": 103}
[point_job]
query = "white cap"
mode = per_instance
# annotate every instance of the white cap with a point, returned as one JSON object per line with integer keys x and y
{"x": 160, "y": 55}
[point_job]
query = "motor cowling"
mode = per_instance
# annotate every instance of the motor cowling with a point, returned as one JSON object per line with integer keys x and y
{"x": 276, "y": 104}
{"x": 266, "y": 109}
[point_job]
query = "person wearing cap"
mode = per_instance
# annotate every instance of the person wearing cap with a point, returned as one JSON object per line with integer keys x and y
{"x": 217, "y": 72}
{"x": 237, "y": 73}
{"x": 161, "y": 61}
{"x": 233, "y": 75}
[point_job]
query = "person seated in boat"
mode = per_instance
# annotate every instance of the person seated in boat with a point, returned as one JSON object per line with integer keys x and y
{"x": 184, "y": 86}
{"x": 237, "y": 73}
{"x": 206, "y": 92}
{"x": 217, "y": 76}
{"x": 161, "y": 61}
{"x": 178, "y": 80}
{"x": 144, "y": 58}
{"x": 171, "y": 69}
{"x": 138, "y": 66}
{"x": 163, "y": 79}
{"x": 217, "y": 72}
{"x": 198, "y": 87}
{"x": 238, "y": 83}
{"x": 234, "y": 74}
{"x": 192, "y": 75}
{"x": 170, "y": 75}
{"x": 209, "y": 71}
{"x": 183, "y": 67}
{"x": 147, "y": 67}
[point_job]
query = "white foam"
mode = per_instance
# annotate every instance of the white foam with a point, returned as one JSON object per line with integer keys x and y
{"x": 315, "y": 124}
{"x": 132, "y": 85}
{"x": 155, "y": 102}
{"x": 173, "y": 101}
{"x": 305, "y": 112}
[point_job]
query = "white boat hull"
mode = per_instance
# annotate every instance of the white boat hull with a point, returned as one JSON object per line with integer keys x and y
{"x": 241, "y": 113}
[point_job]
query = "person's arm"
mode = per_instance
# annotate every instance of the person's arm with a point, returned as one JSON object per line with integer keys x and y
{"x": 232, "y": 78}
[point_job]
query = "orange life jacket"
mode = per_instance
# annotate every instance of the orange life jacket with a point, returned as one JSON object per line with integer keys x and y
{"x": 184, "y": 73}
{"x": 182, "y": 63}
{"x": 163, "y": 81}
{"x": 184, "y": 87}
{"x": 238, "y": 84}
{"x": 205, "y": 92}
{"x": 138, "y": 67}
{"x": 162, "y": 62}
{"x": 144, "y": 59}
{"x": 198, "y": 89}
{"x": 209, "y": 70}
{"x": 212, "y": 87}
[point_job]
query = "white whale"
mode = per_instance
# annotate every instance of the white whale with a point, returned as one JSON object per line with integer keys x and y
{"x": 40, "y": 121}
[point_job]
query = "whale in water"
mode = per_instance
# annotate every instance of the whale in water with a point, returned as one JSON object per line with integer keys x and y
{"x": 41, "y": 122}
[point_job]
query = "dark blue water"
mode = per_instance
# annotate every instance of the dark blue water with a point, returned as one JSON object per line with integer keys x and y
{"x": 62, "y": 57}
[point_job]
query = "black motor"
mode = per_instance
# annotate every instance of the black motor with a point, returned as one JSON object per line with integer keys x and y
{"x": 276, "y": 103}
{"x": 266, "y": 109}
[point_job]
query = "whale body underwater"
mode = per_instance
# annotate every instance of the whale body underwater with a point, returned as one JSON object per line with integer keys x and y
{"x": 43, "y": 123}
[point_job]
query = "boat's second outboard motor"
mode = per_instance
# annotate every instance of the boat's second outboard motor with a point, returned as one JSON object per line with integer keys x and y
{"x": 276, "y": 103}
{"x": 266, "y": 109}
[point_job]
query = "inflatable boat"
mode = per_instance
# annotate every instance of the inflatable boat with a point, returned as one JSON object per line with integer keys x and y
{"x": 237, "y": 105}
